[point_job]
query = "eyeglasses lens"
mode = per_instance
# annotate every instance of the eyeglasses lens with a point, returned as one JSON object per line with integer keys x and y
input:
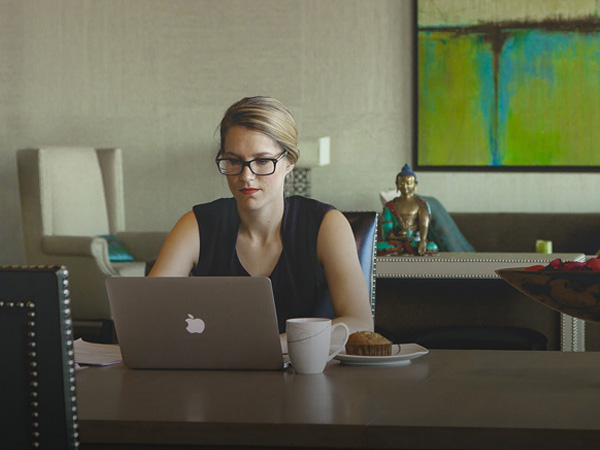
{"x": 258, "y": 166}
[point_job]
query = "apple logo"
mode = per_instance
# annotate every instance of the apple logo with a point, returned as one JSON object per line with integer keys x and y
{"x": 194, "y": 325}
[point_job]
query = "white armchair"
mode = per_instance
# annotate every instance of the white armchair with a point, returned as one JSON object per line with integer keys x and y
{"x": 70, "y": 196}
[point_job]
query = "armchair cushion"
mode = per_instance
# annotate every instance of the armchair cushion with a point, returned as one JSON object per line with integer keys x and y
{"x": 130, "y": 269}
{"x": 116, "y": 251}
{"x": 143, "y": 245}
{"x": 72, "y": 246}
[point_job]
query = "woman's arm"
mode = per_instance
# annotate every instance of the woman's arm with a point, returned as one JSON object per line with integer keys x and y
{"x": 336, "y": 250}
{"x": 179, "y": 253}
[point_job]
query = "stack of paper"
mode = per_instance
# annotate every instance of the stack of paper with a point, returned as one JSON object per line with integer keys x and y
{"x": 91, "y": 354}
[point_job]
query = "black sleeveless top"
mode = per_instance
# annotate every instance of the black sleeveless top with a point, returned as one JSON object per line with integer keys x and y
{"x": 298, "y": 280}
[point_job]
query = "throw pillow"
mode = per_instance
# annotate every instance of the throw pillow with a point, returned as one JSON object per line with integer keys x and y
{"x": 116, "y": 251}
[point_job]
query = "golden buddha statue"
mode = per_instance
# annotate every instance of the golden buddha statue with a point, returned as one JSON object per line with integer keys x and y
{"x": 405, "y": 220}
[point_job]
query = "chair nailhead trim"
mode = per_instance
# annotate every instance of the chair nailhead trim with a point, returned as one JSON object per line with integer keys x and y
{"x": 32, "y": 363}
{"x": 32, "y": 355}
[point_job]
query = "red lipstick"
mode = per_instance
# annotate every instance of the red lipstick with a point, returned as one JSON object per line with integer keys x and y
{"x": 248, "y": 191}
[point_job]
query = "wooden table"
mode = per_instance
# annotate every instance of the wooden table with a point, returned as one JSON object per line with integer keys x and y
{"x": 443, "y": 400}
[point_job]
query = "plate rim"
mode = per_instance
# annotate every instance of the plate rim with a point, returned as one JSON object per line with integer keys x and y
{"x": 419, "y": 351}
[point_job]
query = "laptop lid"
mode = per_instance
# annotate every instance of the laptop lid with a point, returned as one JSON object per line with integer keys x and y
{"x": 195, "y": 322}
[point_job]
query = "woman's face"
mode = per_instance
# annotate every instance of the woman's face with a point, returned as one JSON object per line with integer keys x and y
{"x": 250, "y": 190}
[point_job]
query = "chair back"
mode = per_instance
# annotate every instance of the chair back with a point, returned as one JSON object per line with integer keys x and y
{"x": 364, "y": 227}
{"x": 36, "y": 349}
{"x": 69, "y": 191}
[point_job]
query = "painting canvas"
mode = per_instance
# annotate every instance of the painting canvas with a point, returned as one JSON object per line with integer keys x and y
{"x": 508, "y": 85}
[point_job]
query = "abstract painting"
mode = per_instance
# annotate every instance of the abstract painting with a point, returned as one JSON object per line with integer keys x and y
{"x": 508, "y": 85}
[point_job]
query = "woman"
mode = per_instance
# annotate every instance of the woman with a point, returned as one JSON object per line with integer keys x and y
{"x": 304, "y": 246}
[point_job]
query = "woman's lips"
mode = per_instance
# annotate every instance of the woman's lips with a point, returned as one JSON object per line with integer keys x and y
{"x": 248, "y": 191}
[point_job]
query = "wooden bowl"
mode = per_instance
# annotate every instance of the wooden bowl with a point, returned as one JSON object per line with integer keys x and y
{"x": 576, "y": 293}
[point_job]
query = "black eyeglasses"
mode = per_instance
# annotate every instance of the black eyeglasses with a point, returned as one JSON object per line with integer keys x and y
{"x": 258, "y": 166}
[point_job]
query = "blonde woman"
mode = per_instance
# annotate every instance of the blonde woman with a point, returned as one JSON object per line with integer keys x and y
{"x": 305, "y": 247}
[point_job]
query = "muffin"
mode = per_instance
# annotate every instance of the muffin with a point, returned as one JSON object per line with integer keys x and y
{"x": 368, "y": 343}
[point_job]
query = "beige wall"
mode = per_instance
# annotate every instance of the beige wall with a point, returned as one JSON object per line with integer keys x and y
{"x": 153, "y": 77}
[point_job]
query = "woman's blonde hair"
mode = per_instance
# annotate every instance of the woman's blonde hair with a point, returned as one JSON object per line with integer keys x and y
{"x": 267, "y": 115}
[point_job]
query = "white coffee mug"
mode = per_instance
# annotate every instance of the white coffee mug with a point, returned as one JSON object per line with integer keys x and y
{"x": 309, "y": 343}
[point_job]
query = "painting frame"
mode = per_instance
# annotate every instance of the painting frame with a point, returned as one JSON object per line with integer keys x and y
{"x": 514, "y": 142}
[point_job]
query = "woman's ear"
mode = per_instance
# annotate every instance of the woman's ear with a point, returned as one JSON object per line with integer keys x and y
{"x": 289, "y": 167}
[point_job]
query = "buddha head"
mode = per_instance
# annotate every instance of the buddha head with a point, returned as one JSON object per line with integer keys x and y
{"x": 406, "y": 181}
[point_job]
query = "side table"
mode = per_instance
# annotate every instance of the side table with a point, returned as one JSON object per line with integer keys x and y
{"x": 482, "y": 266}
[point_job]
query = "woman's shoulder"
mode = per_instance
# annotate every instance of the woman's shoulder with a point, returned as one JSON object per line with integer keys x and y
{"x": 186, "y": 224}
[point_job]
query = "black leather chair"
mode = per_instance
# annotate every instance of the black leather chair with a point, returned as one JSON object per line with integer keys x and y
{"x": 364, "y": 227}
{"x": 37, "y": 378}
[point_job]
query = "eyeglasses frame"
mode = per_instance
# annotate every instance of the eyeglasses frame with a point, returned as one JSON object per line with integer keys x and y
{"x": 247, "y": 164}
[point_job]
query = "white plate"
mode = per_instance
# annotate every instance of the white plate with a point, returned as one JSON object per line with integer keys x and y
{"x": 401, "y": 355}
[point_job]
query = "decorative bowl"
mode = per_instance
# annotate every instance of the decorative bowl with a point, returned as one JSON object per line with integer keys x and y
{"x": 576, "y": 293}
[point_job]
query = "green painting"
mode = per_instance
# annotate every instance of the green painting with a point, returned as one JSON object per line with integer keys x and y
{"x": 509, "y": 93}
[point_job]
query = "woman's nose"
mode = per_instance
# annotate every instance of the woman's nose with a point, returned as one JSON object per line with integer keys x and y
{"x": 246, "y": 173}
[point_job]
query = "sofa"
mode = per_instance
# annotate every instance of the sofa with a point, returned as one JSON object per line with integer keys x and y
{"x": 517, "y": 232}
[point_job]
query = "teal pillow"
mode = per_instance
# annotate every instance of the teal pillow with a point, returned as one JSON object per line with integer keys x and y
{"x": 444, "y": 231}
{"x": 116, "y": 251}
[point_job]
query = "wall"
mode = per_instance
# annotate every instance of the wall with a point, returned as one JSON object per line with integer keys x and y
{"x": 153, "y": 77}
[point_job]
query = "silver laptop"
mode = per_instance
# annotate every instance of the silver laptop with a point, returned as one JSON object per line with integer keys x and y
{"x": 196, "y": 322}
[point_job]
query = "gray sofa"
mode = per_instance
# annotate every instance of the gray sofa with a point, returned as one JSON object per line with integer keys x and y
{"x": 517, "y": 232}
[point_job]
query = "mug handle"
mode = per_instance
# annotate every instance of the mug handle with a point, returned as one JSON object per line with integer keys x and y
{"x": 339, "y": 349}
